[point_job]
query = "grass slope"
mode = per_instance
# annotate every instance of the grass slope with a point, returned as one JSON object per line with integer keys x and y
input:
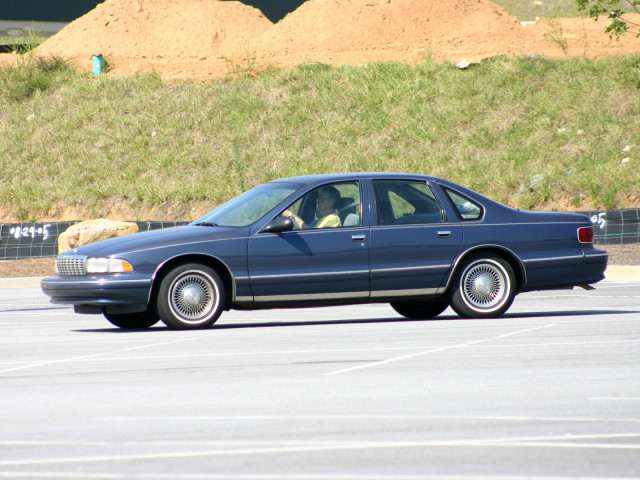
{"x": 530, "y": 132}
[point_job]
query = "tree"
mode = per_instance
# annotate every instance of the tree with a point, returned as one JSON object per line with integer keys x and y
{"x": 611, "y": 8}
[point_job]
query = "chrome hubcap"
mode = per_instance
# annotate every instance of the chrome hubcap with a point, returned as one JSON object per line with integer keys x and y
{"x": 193, "y": 297}
{"x": 484, "y": 285}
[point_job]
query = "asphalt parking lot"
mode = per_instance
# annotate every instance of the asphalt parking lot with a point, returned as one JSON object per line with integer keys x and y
{"x": 550, "y": 391}
{"x": 9, "y": 28}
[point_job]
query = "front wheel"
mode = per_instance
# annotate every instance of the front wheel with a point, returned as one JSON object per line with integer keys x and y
{"x": 420, "y": 310}
{"x": 191, "y": 296}
{"x": 133, "y": 321}
{"x": 483, "y": 288}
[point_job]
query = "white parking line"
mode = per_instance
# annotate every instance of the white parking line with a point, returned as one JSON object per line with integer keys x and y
{"x": 311, "y": 443}
{"x": 229, "y": 354}
{"x": 84, "y": 357}
{"x": 582, "y": 295}
{"x": 609, "y": 399}
{"x": 367, "y": 418}
{"x": 435, "y": 350}
{"x": 21, "y": 314}
{"x": 562, "y": 441}
{"x": 38, "y": 475}
{"x": 138, "y": 358}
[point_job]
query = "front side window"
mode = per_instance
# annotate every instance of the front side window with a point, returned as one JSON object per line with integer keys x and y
{"x": 330, "y": 206}
{"x": 405, "y": 201}
{"x": 467, "y": 209}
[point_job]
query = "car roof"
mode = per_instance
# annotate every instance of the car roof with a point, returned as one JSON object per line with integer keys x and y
{"x": 331, "y": 177}
{"x": 319, "y": 179}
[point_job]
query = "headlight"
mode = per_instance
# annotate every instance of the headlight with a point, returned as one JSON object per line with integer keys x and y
{"x": 108, "y": 265}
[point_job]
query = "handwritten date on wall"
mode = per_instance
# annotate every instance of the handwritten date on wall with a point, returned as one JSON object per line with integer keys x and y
{"x": 30, "y": 231}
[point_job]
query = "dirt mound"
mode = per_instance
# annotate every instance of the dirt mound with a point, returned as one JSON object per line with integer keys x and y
{"x": 358, "y": 31}
{"x": 136, "y": 35}
{"x": 397, "y": 29}
{"x": 200, "y": 39}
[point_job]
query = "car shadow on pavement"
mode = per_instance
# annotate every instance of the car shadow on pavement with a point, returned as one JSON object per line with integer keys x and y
{"x": 568, "y": 313}
{"x": 308, "y": 323}
{"x": 268, "y": 324}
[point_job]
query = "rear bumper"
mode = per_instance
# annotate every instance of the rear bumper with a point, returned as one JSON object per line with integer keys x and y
{"x": 98, "y": 290}
{"x": 564, "y": 272}
{"x": 595, "y": 263}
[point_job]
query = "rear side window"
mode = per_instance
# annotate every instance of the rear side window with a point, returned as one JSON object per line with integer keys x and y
{"x": 405, "y": 201}
{"x": 467, "y": 208}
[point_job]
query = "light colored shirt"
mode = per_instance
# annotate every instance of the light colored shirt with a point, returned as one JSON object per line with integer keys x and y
{"x": 331, "y": 220}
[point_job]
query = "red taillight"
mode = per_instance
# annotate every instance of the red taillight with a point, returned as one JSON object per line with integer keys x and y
{"x": 585, "y": 234}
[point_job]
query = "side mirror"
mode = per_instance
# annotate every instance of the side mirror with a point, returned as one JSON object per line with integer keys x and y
{"x": 277, "y": 225}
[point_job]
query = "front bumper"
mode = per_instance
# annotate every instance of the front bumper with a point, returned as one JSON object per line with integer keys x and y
{"x": 99, "y": 290}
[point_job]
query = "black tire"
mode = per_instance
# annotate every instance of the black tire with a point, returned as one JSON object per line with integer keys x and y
{"x": 420, "y": 310}
{"x": 191, "y": 296}
{"x": 133, "y": 321}
{"x": 484, "y": 287}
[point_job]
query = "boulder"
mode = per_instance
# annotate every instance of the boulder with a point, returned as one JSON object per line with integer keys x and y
{"x": 92, "y": 231}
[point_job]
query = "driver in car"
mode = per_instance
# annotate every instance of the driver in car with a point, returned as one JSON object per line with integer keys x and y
{"x": 328, "y": 198}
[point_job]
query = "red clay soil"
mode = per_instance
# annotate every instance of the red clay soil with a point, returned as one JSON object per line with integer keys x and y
{"x": 200, "y": 39}
{"x": 348, "y": 31}
{"x": 138, "y": 36}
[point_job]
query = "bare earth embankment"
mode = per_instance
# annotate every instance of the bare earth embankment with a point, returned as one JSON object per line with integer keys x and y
{"x": 198, "y": 39}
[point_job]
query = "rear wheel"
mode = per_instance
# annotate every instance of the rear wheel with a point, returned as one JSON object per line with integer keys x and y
{"x": 420, "y": 310}
{"x": 483, "y": 288}
{"x": 191, "y": 296}
{"x": 133, "y": 321}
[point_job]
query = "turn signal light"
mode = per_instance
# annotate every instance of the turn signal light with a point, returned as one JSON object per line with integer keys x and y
{"x": 585, "y": 234}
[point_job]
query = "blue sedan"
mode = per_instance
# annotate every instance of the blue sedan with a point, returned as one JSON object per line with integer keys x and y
{"x": 420, "y": 243}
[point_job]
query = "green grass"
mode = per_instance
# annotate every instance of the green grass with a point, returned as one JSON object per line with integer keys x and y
{"x": 33, "y": 75}
{"x": 533, "y": 133}
{"x": 529, "y": 10}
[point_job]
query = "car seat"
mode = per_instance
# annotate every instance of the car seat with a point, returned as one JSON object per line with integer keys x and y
{"x": 347, "y": 211}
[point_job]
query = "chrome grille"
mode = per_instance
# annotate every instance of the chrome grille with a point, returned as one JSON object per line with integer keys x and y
{"x": 71, "y": 266}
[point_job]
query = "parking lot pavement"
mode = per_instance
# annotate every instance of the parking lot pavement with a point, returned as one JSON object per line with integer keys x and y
{"x": 552, "y": 390}
{"x": 13, "y": 28}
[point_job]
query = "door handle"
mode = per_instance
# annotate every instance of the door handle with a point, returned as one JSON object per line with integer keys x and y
{"x": 358, "y": 238}
{"x": 444, "y": 233}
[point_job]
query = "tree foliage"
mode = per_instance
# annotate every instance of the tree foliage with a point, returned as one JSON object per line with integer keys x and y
{"x": 620, "y": 24}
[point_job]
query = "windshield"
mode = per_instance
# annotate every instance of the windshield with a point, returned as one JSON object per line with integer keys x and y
{"x": 250, "y": 206}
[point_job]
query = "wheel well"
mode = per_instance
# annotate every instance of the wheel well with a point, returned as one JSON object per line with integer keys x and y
{"x": 510, "y": 257}
{"x": 219, "y": 267}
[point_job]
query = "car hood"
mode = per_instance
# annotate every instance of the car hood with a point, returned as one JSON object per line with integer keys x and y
{"x": 157, "y": 238}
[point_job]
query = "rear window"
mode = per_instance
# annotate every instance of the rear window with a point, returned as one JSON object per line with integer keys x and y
{"x": 467, "y": 209}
